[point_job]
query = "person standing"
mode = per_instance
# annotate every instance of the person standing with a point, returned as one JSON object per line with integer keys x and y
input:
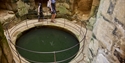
{"x": 53, "y": 10}
{"x": 40, "y": 12}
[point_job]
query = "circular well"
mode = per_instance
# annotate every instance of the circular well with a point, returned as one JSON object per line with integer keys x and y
{"x": 47, "y": 44}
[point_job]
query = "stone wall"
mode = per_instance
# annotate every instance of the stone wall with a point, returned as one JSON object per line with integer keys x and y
{"x": 108, "y": 33}
{"x": 5, "y": 53}
{"x": 74, "y": 9}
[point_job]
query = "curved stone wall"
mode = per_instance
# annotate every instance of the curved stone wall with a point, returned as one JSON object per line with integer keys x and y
{"x": 25, "y": 25}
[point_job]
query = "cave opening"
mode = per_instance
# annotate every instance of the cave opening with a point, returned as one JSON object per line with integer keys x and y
{"x": 44, "y": 2}
{"x": 83, "y": 5}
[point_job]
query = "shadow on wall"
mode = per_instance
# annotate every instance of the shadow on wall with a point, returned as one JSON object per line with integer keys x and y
{"x": 8, "y": 5}
{"x": 83, "y": 5}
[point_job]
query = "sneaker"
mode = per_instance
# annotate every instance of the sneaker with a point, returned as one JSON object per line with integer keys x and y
{"x": 40, "y": 20}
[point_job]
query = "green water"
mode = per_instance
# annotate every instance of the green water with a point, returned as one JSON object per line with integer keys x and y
{"x": 47, "y": 39}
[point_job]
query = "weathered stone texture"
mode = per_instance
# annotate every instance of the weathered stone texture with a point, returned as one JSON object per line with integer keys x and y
{"x": 5, "y": 52}
{"x": 22, "y": 8}
{"x": 109, "y": 31}
{"x": 103, "y": 31}
{"x": 119, "y": 11}
{"x": 8, "y": 5}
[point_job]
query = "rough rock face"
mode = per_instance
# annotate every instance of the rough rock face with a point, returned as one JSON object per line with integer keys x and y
{"x": 5, "y": 54}
{"x": 83, "y": 5}
{"x": 8, "y": 5}
{"x": 82, "y": 8}
{"x": 108, "y": 34}
{"x": 22, "y": 8}
{"x": 107, "y": 26}
{"x": 6, "y": 16}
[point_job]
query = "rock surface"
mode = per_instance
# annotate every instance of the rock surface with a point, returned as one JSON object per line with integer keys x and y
{"x": 105, "y": 39}
{"x": 109, "y": 31}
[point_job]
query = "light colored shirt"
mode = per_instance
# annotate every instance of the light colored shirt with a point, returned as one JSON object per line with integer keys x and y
{"x": 49, "y": 3}
{"x": 53, "y": 1}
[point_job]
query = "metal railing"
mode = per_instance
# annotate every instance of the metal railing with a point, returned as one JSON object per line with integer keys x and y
{"x": 74, "y": 27}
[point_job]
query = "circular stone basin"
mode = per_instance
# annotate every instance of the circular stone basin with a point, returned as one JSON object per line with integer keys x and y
{"x": 47, "y": 44}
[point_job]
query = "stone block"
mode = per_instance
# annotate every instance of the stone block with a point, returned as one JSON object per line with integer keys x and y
{"x": 101, "y": 59}
{"x": 119, "y": 11}
{"x": 94, "y": 45}
{"x": 104, "y": 5}
{"x": 103, "y": 32}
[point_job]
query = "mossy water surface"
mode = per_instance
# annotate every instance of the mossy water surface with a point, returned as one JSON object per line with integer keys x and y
{"x": 47, "y": 39}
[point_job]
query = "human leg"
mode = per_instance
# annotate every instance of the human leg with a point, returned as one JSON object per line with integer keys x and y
{"x": 38, "y": 18}
{"x": 53, "y": 12}
{"x": 53, "y": 17}
{"x": 42, "y": 15}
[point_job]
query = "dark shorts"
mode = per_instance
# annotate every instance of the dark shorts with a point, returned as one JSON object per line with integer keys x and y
{"x": 41, "y": 15}
{"x": 53, "y": 8}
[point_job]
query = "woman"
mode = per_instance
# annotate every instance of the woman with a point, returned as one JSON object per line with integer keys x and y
{"x": 53, "y": 9}
{"x": 40, "y": 12}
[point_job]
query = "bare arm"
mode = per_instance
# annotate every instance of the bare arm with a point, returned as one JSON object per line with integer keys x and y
{"x": 38, "y": 10}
